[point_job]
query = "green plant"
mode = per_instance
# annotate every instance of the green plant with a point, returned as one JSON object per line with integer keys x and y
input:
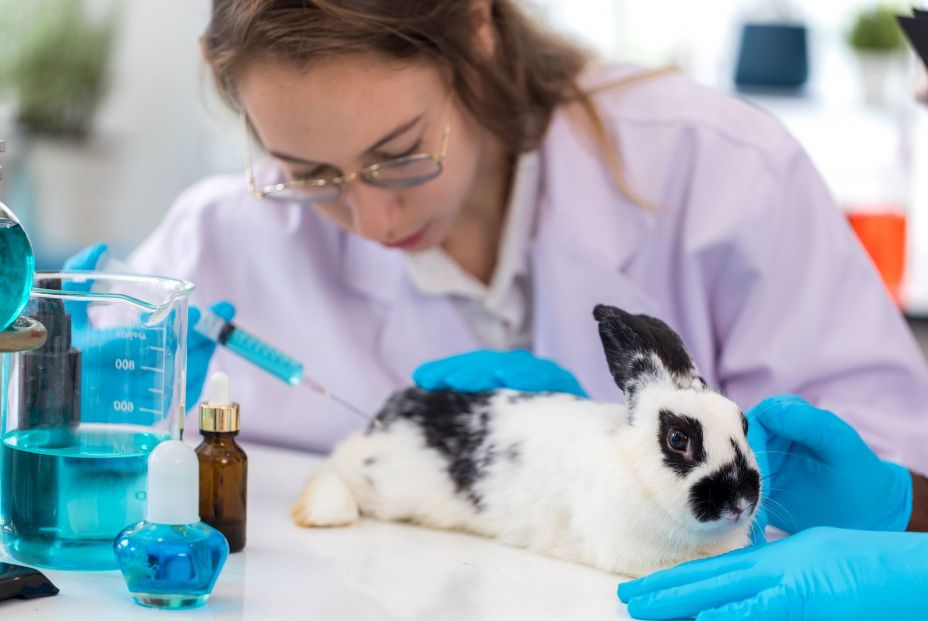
{"x": 876, "y": 30}
{"x": 54, "y": 62}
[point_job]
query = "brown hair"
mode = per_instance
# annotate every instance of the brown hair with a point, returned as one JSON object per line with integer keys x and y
{"x": 512, "y": 94}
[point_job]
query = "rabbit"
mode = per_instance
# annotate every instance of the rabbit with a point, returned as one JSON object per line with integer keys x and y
{"x": 627, "y": 489}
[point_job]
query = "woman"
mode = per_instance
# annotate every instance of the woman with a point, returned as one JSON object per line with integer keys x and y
{"x": 446, "y": 176}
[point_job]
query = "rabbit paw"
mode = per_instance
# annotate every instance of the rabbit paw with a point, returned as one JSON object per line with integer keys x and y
{"x": 325, "y": 501}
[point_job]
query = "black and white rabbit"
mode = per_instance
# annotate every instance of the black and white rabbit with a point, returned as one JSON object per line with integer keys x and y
{"x": 625, "y": 488}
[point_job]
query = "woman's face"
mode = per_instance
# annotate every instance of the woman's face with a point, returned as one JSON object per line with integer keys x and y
{"x": 346, "y": 113}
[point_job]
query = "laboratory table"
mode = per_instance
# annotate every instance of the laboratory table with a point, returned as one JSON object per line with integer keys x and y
{"x": 372, "y": 570}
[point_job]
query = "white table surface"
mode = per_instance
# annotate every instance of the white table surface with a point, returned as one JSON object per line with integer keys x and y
{"x": 372, "y": 570}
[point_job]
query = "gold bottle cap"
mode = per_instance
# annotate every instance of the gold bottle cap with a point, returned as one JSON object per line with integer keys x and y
{"x": 219, "y": 414}
{"x": 223, "y": 418}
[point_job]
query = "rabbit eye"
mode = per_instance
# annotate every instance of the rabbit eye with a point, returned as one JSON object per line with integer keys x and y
{"x": 678, "y": 440}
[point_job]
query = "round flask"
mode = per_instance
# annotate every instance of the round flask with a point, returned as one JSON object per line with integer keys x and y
{"x": 17, "y": 266}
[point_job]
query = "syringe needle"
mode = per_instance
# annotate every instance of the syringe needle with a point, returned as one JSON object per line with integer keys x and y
{"x": 316, "y": 386}
{"x": 263, "y": 355}
{"x": 347, "y": 405}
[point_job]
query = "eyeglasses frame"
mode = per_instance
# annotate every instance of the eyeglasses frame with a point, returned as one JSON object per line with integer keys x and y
{"x": 366, "y": 174}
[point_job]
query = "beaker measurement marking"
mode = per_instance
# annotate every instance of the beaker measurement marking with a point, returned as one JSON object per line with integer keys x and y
{"x": 140, "y": 335}
{"x": 132, "y": 334}
{"x": 149, "y": 411}
{"x": 155, "y": 369}
{"x": 153, "y": 348}
{"x": 164, "y": 376}
{"x": 157, "y": 391}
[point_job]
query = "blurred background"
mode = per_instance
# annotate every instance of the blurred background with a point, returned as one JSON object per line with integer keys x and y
{"x": 109, "y": 113}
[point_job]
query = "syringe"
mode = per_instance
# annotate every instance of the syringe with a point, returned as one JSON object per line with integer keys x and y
{"x": 262, "y": 355}
{"x": 249, "y": 347}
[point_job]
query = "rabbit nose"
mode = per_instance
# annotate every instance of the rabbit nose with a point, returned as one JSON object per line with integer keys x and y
{"x": 737, "y": 508}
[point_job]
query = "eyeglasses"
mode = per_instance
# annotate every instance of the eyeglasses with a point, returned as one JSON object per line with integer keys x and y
{"x": 402, "y": 172}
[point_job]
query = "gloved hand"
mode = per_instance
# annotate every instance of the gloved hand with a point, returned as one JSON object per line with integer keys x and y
{"x": 485, "y": 369}
{"x": 88, "y": 258}
{"x": 103, "y": 351}
{"x": 821, "y": 573}
{"x": 200, "y": 349}
{"x": 821, "y": 473}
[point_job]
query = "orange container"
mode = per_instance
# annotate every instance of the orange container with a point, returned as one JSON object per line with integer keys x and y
{"x": 882, "y": 234}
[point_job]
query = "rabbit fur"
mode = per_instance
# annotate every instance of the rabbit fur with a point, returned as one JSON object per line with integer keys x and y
{"x": 627, "y": 489}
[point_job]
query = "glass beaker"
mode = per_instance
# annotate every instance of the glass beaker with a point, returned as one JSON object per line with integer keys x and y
{"x": 81, "y": 413}
{"x": 16, "y": 267}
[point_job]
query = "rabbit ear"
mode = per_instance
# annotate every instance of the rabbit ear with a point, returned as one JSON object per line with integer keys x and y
{"x": 642, "y": 350}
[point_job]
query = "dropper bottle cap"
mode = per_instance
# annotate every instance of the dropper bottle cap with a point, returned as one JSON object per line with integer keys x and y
{"x": 219, "y": 414}
{"x": 173, "y": 484}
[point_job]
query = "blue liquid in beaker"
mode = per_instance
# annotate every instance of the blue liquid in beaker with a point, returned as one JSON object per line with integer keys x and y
{"x": 16, "y": 269}
{"x": 69, "y": 491}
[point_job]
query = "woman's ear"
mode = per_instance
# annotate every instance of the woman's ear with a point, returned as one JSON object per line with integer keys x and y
{"x": 484, "y": 31}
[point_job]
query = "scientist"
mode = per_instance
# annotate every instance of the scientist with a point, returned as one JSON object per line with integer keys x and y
{"x": 448, "y": 176}
{"x": 852, "y": 562}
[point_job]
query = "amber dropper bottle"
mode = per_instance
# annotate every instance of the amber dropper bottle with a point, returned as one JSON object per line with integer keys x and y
{"x": 223, "y": 464}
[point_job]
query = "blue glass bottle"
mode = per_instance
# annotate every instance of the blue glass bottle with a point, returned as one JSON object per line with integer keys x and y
{"x": 171, "y": 566}
{"x": 171, "y": 559}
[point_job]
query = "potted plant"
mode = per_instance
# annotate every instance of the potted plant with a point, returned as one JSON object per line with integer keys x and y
{"x": 876, "y": 38}
{"x": 53, "y": 63}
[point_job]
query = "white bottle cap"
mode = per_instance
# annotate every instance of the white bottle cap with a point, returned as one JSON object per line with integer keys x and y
{"x": 219, "y": 392}
{"x": 173, "y": 484}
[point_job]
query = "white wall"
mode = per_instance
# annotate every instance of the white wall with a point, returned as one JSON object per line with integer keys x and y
{"x": 163, "y": 112}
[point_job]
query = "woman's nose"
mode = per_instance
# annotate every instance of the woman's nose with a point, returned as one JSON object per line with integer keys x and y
{"x": 374, "y": 211}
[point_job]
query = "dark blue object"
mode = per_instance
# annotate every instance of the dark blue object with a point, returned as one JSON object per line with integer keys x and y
{"x": 772, "y": 56}
{"x": 916, "y": 29}
{"x": 24, "y": 582}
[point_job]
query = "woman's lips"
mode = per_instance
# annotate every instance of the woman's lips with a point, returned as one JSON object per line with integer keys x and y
{"x": 408, "y": 242}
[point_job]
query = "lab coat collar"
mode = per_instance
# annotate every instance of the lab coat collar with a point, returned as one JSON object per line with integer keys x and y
{"x": 577, "y": 264}
{"x": 587, "y": 235}
{"x": 583, "y": 212}
{"x": 413, "y": 327}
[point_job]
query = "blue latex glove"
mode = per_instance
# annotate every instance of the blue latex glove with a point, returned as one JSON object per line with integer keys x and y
{"x": 100, "y": 355}
{"x": 821, "y": 573}
{"x": 486, "y": 369}
{"x": 200, "y": 349}
{"x": 819, "y": 472}
{"x": 87, "y": 258}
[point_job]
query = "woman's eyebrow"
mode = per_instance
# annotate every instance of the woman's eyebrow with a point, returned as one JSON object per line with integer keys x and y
{"x": 402, "y": 129}
{"x": 399, "y": 131}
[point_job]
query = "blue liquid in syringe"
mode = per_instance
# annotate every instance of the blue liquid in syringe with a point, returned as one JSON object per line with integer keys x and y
{"x": 262, "y": 355}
